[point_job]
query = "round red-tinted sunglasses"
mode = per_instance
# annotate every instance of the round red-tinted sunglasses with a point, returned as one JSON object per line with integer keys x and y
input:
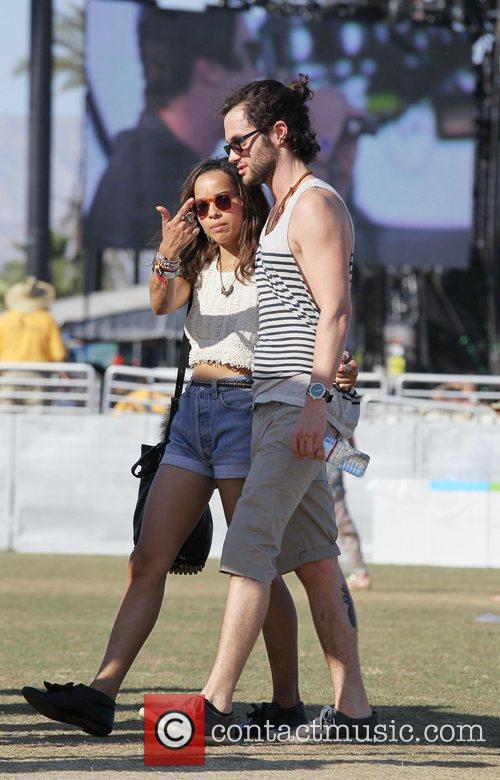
{"x": 223, "y": 202}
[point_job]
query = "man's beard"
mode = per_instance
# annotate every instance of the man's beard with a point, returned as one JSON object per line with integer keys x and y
{"x": 263, "y": 166}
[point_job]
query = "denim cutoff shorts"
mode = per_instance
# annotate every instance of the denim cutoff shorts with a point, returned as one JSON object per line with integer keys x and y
{"x": 211, "y": 432}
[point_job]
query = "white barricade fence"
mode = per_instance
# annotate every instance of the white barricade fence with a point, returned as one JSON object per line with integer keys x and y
{"x": 53, "y": 388}
{"x": 431, "y": 494}
{"x": 66, "y": 483}
{"x": 443, "y": 387}
{"x": 7, "y": 484}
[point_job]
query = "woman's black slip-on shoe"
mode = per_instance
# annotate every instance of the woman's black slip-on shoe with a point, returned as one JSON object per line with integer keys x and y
{"x": 79, "y": 705}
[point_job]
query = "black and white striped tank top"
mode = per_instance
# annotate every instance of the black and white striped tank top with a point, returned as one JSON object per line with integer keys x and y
{"x": 288, "y": 314}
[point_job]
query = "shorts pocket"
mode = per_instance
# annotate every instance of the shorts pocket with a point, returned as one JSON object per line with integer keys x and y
{"x": 237, "y": 400}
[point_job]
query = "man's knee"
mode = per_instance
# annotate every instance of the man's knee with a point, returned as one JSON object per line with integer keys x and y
{"x": 316, "y": 571}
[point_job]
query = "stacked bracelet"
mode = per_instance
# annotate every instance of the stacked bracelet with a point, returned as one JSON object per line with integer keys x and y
{"x": 167, "y": 269}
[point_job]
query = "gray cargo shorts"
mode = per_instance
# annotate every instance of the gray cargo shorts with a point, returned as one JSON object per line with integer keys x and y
{"x": 285, "y": 516}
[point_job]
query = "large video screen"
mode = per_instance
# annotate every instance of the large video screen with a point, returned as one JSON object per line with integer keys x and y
{"x": 393, "y": 111}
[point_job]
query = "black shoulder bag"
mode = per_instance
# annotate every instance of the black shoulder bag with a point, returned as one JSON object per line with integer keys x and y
{"x": 193, "y": 554}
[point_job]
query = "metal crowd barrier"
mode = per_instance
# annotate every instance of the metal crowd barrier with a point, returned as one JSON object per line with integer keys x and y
{"x": 441, "y": 387}
{"x": 55, "y": 388}
{"x": 377, "y": 406}
{"x": 75, "y": 387}
{"x": 143, "y": 390}
{"x": 148, "y": 390}
{"x": 372, "y": 382}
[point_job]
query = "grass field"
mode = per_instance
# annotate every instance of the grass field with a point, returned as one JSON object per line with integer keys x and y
{"x": 425, "y": 661}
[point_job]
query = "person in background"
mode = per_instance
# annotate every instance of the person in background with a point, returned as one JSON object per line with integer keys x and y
{"x": 348, "y": 539}
{"x": 28, "y": 332}
{"x": 186, "y": 73}
{"x": 143, "y": 400}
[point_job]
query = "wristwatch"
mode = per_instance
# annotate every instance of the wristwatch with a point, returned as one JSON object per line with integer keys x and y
{"x": 318, "y": 391}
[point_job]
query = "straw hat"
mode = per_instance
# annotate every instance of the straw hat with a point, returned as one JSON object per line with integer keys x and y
{"x": 29, "y": 295}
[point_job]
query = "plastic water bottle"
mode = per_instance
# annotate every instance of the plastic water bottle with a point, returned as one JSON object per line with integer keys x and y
{"x": 339, "y": 452}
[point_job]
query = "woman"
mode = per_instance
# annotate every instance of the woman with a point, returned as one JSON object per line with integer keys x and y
{"x": 209, "y": 439}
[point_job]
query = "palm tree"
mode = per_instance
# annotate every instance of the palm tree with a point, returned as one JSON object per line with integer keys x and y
{"x": 69, "y": 57}
{"x": 68, "y": 48}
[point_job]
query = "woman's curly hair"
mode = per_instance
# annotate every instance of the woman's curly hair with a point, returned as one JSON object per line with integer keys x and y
{"x": 255, "y": 212}
{"x": 268, "y": 101}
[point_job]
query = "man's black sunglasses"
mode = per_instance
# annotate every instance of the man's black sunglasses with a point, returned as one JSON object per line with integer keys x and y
{"x": 236, "y": 146}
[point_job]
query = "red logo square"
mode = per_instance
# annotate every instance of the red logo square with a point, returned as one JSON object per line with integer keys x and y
{"x": 174, "y": 730}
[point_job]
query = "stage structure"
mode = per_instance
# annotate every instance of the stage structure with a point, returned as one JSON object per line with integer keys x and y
{"x": 405, "y": 290}
{"x": 417, "y": 85}
{"x": 486, "y": 57}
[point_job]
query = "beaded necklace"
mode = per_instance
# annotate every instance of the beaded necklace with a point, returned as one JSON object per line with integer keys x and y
{"x": 273, "y": 220}
{"x": 226, "y": 291}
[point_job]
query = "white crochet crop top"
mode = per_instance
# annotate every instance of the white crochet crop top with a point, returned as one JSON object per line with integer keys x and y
{"x": 222, "y": 329}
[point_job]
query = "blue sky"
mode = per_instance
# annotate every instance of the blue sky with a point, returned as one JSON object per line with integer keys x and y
{"x": 14, "y": 46}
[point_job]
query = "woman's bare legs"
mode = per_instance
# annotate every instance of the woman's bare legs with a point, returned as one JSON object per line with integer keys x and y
{"x": 175, "y": 502}
{"x": 280, "y": 626}
{"x": 280, "y": 631}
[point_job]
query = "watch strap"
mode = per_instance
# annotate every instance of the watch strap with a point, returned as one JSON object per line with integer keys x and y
{"x": 327, "y": 396}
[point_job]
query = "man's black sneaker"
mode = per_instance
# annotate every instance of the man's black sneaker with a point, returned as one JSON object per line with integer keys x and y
{"x": 79, "y": 705}
{"x": 334, "y": 726}
{"x": 217, "y": 724}
{"x": 267, "y": 717}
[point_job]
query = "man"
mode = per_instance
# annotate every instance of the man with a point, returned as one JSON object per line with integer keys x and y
{"x": 188, "y": 68}
{"x": 283, "y": 520}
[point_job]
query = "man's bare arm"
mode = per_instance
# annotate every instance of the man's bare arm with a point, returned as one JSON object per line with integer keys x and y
{"x": 320, "y": 239}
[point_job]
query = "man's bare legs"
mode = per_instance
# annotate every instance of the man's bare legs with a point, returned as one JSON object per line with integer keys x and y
{"x": 335, "y": 621}
{"x": 246, "y": 609}
{"x": 175, "y": 503}
{"x": 280, "y": 626}
{"x": 334, "y": 618}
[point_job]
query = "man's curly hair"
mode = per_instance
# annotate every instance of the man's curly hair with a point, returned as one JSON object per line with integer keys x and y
{"x": 268, "y": 101}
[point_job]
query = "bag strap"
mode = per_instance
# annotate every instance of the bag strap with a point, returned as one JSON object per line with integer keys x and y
{"x": 181, "y": 372}
{"x": 183, "y": 361}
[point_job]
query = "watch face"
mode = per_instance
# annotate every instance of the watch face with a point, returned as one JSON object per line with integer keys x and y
{"x": 317, "y": 390}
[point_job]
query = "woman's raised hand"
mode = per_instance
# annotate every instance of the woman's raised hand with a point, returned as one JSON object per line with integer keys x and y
{"x": 178, "y": 231}
{"x": 347, "y": 373}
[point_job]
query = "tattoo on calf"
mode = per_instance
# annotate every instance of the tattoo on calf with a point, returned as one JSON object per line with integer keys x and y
{"x": 347, "y": 599}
